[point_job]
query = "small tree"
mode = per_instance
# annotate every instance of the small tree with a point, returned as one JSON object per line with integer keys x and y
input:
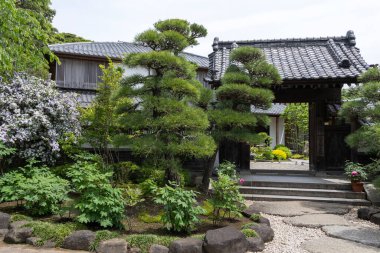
{"x": 99, "y": 119}
{"x": 246, "y": 83}
{"x": 35, "y": 116}
{"x": 163, "y": 125}
{"x": 296, "y": 126}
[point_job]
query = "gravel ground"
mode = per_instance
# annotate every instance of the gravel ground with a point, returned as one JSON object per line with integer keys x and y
{"x": 288, "y": 238}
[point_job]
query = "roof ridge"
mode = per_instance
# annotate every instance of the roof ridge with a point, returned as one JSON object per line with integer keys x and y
{"x": 285, "y": 40}
{"x": 195, "y": 54}
{"x": 93, "y": 42}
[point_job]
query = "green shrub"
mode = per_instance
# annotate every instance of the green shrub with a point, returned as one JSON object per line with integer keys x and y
{"x": 297, "y": 156}
{"x": 355, "y": 171}
{"x": 249, "y": 232}
{"x": 255, "y": 217}
{"x": 226, "y": 199}
{"x": 124, "y": 171}
{"x": 285, "y": 149}
{"x": 144, "y": 241}
{"x": 147, "y": 218}
{"x": 279, "y": 154}
{"x": 227, "y": 168}
{"x": 148, "y": 187}
{"x": 248, "y": 225}
{"x": 20, "y": 217}
{"x": 180, "y": 209}
{"x": 102, "y": 235}
{"x": 11, "y": 186}
{"x": 50, "y": 231}
{"x": 98, "y": 202}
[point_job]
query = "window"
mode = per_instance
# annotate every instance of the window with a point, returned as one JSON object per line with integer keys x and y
{"x": 78, "y": 74}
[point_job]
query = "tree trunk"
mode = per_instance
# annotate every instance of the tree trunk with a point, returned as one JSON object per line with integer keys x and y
{"x": 208, "y": 172}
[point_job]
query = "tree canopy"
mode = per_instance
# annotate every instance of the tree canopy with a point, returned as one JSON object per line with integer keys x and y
{"x": 162, "y": 124}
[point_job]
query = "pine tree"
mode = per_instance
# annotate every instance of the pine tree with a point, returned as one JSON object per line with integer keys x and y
{"x": 364, "y": 105}
{"x": 246, "y": 83}
{"x": 163, "y": 125}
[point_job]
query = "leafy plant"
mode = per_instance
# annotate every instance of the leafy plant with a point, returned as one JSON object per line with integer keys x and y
{"x": 226, "y": 199}
{"x": 180, "y": 209}
{"x": 20, "y": 217}
{"x": 10, "y": 186}
{"x": 227, "y": 168}
{"x": 248, "y": 225}
{"x": 249, "y": 232}
{"x": 50, "y": 231}
{"x": 255, "y": 217}
{"x": 279, "y": 154}
{"x": 98, "y": 202}
{"x": 102, "y": 235}
{"x": 4, "y": 152}
{"x": 355, "y": 171}
{"x": 144, "y": 241}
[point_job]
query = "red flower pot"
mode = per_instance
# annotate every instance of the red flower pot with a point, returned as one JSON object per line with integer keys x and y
{"x": 357, "y": 186}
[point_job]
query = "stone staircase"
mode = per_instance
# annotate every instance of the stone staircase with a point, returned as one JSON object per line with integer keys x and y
{"x": 301, "y": 187}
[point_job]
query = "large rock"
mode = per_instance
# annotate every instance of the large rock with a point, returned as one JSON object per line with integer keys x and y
{"x": 5, "y": 220}
{"x": 134, "y": 250}
{"x": 264, "y": 231}
{"x": 155, "y": 248}
{"x": 364, "y": 235}
{"x": 3, "y": 232}
{"x": 375, "y": 219}
{"x": 18, "y": 224}
{"x": 264, "y": 220}
{"x": 186, "y": 245}
{"x": 34, "y": 241}
{"x": 373, "y": 194}
{"x": 255, "y": 244}
{"x": 316, "y": 220}
{"x": 333, "y": 245}
{"x": 225, "y": 240}
{"x": 18, "y": 235}
{"x": 79, "y": 240}
{"x": 113, "y": 246}
{"x": 252, "y": 209}
{"x": 363, "y": 213}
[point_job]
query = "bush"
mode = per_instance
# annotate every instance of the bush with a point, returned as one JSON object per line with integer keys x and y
{"x": 249, "y": 232}
{"x": 285, "y": 149}
{"x": 144, "y": 241}
{"x": 55, "y": 232}
{"x": 355, "y": 171}
{"x": 255, "y": 217}
{"x": 226, "y": 199}
{"x": 98, "y": 202}
{"x": 148, "y": 187}
{"x": 298, "y": 156}
{"x": 227, "y": 168}
{"x": 102, "y": 235}
{"x": 20, "y": 217}
{"x": 180, "y": 209}
{"x": 248, "y": 225}
{"x": 10, "y": 186}
{"x": 279, "y": 154}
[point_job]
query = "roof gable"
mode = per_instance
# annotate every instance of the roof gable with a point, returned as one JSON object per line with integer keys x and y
{"x": 298, "y": 59}
{"x": 114, "y": 50}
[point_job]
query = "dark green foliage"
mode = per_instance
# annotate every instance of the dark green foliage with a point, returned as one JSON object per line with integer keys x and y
{"x": 5, "y": 153}
{"x": 226, "y": 200}
{"x": 50, "y": 231}
{"x": 363, "y": 105}
{"x": 255, "y": 217}
{"x": 249, "y": 232}
{"x": 144, "y": 241}
{"x": 180, "y": 208}
{"x": 60, "y": 38}
{"x": 163, "y": 126}
{"x": 98, "y": 202}
{"x": 228, "y": 169}
{"x": 296, "y": 125}
{"x": 102, "y": 235}
{"x": 20, "y": 217}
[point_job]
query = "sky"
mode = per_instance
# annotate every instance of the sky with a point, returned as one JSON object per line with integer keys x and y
{"x": 121, "y": 20}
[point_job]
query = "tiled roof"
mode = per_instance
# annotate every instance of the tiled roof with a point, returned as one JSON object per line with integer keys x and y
{"x": 277, "y": 109}
{"x": 83, "y": 97}
{"x": 114, "y": 50}
{"x": 298, "y": 59}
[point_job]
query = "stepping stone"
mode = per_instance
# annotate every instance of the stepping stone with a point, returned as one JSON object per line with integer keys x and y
{"x": 364, "y": 235}
{"x": 316, "y": 220}
{"x": 333, "y": 245}
{"x": 296, "y": 208}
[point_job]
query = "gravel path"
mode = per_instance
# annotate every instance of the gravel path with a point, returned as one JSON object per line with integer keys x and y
{"x": 288, "y": 238}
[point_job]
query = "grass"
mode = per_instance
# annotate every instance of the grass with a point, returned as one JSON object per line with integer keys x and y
{"x": 248, "y": 225}
{"x": 249, "y": 232}
{"x": 255, "y": 217}
{"x": 20, "y": 217}
{"x": 144, "y": 241}
{"x": 102, "y": 235}
{"x": 51, "y": 231}
{"x": 147, "y": 218}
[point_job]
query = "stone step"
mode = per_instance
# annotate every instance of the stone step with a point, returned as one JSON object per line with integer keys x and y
{"x": 302, "y": 192}
{"x": 259, "y": 197}
{"x": 303, "y": 185}
{"x": 283, "y": 172}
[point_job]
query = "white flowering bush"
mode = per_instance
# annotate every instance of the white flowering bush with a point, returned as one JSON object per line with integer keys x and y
{"x": 35, "y": 116}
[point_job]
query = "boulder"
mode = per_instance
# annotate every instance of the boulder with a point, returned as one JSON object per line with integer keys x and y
{"x": 113, "y": 246}
{"x": 34, "y": 241}
{"x": 18, "y": 235}
{"x": 5, "y": 220}
{"x": 363, "y": 213}
{"x": 155, "y": 248}
{"x": 225, "y": 240}
{"x": 18, "y": 224}
{"x": 373, "y": 194}
{"x": 255, "y": 244}
{"x": 264, "y": 220}
{"x": 375, "y": 218}
{"x": 3, "y": 232}
{"x": 250, "y": 210}
{"x": 186, "y": 245}
{"x": 49, "y": 244}
{"x": 372, "y": 211}
{"x": 264, "y": 231}
{"x": 79, "y": 240}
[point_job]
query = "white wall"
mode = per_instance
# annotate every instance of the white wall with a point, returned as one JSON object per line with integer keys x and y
{"x": 277, "y": 130}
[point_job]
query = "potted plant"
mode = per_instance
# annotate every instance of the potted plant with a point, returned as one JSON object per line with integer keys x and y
{"x": 355, "y": 172}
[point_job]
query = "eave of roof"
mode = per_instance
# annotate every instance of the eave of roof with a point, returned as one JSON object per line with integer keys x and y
{"x": 303, "y": 60}
{"x": 114, "y": 50}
